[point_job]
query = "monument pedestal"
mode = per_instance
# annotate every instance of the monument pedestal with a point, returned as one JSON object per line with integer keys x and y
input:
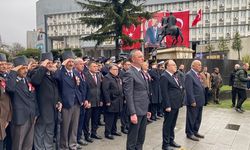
{"x": 175, "y": 53}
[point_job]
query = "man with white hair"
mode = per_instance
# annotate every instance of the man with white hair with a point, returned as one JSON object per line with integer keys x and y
{"x": 231, "y": 83}
{"x": 195, "y": 100}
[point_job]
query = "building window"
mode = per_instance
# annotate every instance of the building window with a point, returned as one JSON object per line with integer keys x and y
{"x": 242, "y": 29}
{"x": 236, "y": 2}
{"x": 221, "y": 15}
{"x": 248, "y": 27}
{"x": 228, "y": 15}
{"x": 243, "y": 2}
{"x": 236, "y": 14}
{"x": 174, "y": 7}
{"x": 229, "y": 2}
{"x": 187, "y": 5}
{"x": 220, "y": 29}
{"x": 150, "y": 8}
{"x": 235, "y": 28}
{"x": 243, "y": 14}
{"x": 214, "y": 16}
{"x": 214, "y": 2}
{"x": 213, "y": 30}
{"x": 228, "y": 30}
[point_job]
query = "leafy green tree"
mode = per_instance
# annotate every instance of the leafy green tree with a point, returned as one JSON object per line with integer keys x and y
{"x": 30, "y": 53}
{"x": 209, "y": 47}
{"x": 109, "y": 16}
{"x": 78, "y": 52}
{"x": 237, "y": 44}
{"x": 246, "y": 59}
{"x": 222, "y": 44}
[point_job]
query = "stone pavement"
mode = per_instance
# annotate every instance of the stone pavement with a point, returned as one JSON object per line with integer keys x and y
{"x": 214, "y": 123}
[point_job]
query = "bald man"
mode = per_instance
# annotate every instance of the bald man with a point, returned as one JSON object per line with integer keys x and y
{"x": 195, "y": 100}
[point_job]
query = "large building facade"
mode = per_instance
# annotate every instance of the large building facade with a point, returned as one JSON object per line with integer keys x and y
{"x": 58, "y": 20}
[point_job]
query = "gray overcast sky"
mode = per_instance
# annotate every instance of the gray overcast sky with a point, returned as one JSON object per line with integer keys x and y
{"x": 17, "y": 17}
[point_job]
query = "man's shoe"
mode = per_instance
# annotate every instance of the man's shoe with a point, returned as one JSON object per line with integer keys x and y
{"x": 242, "y": 110}
{"x": 199, "y": 135}
{"x": 82, "y": 142}
{"x": 238, "y": 110}
{"x": 125, "y": 131}
{"x": 95, "y": 136}
{"x": 167, "y": 148}
{"x": 88, "y": 139}
{"x": 78, "y": 146}
{"x": 192, "y": 137}
{"x": 232, "y": 106}
{"x": 111, "y": 137}
{"x": 160, "y": 115}
{"x": 117, "y": 134}
{"x": 173, "y": 144}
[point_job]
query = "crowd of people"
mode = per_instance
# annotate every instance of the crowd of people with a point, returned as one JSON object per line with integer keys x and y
{"x": 46, "y": 104}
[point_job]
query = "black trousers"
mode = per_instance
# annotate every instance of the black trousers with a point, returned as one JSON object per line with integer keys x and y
{"x": 154, "y": 110}
{"x": 169, "y": 123}
{"x": 136, "y": 134}
{"x": 193, "y": 120}
{"x": 1, "y": 144}
{"x": 234, "y": 95}
{"x": 124, "y": 117}
{"x": 110, "y": 122}
{"x": 93, "y": 114}
{"x": 206, "y": 95}
{"x": 242, "y": 94}
{"x": 159, "y": 109}
{"x": 81, "y": 123}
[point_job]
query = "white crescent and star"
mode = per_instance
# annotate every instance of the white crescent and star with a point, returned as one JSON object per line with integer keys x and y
{"x": 181, "y": 21}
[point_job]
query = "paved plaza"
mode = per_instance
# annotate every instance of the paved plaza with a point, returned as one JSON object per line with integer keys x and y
{"x": 214, "y": 123}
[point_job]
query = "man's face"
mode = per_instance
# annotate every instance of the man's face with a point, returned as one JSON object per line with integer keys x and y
{"x": 138, "y": 58}
{"x": 171, "y": 67}
{"x": 145, "y": 66}
{"x": 114, "y": 70}
{"x": 22, "y": 72}
{"x": 197, "y": 66}
{"x": 3, "y": 66}
{"x": 181, "y": 67}
{"x": 127, "y": 65}
{"x": 246, "y": 66}
{"x": 93, "y": 68}
{"x": 205, "y": 69}
{"x": 79, "y": 65}
{"x": 70, "y": 64}
{"x": 50, "y": 66}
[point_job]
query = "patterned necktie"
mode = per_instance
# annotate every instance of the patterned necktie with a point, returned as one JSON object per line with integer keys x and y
{"x": 95, "y": 79}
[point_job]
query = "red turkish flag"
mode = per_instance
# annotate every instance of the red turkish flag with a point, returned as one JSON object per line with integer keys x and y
{"x": 134, "y": 32}
{"x": 197, "y": 18}
{"x": 182, "y": 18}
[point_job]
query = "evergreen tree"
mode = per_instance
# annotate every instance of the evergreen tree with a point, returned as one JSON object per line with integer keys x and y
{"x": 237, "y": 44}
{"x": 109, "y": 16}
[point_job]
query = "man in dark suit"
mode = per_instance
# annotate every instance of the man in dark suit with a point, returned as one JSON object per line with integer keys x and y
{"x": 172, "y": 99}
{"x": 195, "y": 100}
{"x": 93, "y": 80}
{"x": 156, "y": 92}
{"x": 24, "y": 104}
{"x": 79, "y": 68}
{"x": 113, "y": 100}
{"x": 48, "y": 102}
{"x": 136, "y": 92}
{"x": 72, "y": 96}
{"x": 124, "y": 114}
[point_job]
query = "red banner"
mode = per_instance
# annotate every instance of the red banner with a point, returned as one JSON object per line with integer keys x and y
{"x": 134, "y": 33}
{"x": 150, "y": 37}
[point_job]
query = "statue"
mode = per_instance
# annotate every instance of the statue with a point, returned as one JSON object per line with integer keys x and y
{"x": 169, "y": 28}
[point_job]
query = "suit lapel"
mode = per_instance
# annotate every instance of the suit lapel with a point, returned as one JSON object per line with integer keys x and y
{"x": 171, "y": 79}
{"x": 139, "y": 75}
{"x": 91, "y": 79}
{"x": 196, "y": 78}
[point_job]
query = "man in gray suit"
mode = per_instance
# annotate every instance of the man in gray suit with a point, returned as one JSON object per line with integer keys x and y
{"x": 137, "y": 96}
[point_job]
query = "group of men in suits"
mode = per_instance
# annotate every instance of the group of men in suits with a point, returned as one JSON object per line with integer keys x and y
{"x": 48, "y": 101}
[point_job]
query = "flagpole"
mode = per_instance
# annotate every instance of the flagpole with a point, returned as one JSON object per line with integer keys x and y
{"x": 142, "y": 42}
